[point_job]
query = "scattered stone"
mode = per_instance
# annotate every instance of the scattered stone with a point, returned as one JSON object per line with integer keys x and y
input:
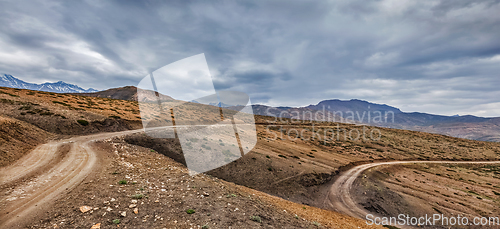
{"x": 97, "y": 226}
{"x": 84, "y": 209}
{"x": 109, "y": 209}
{"x": 134, "y": 201}
{"x": 123, "y": 214}
{"x": 136, "y": 211}
{"x": 132, "y": 206}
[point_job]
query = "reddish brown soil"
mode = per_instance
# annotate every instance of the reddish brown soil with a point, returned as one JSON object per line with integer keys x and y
{"x": 296, "y": 169}
{"x": 470, "y": 190}
{"x": 17, "y": 138}
{"x": 168, "y": 191}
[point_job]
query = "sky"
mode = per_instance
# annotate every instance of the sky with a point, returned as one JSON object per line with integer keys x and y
{"x": 439, "y": 57}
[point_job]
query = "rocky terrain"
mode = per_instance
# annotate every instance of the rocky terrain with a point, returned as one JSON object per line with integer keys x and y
{"x": 283, "y": 181}
{"x": 167, "y": 196}
{"x": 139, "y": 188}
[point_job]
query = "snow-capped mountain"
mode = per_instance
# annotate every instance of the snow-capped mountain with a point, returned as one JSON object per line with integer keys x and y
{"x": 219, "y": 104}
{"x": 7, "y": 80}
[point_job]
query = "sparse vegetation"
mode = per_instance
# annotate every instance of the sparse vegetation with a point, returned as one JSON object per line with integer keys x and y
{"x": 390, "y": 227}
{"x": 397, "y": 145}
{"x": 256, "y": 219}
{"x": 137, "y": 196}
{"x": 190, "y": 211}
{"x": 3, "y": 92}
{"x": 7, "y": 101}
{"x": 46, "y": 113}
{"x": 62, "y": 103}
{"x": 206, "y": 147}
{"x": 82, "y": 122}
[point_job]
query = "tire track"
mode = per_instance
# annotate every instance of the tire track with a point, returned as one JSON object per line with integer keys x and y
{"x": 339, "y": 198}
{"x": 52, "y": 181}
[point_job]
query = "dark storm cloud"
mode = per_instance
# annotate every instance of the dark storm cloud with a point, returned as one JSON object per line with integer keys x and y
{"x": 431, "y": 56}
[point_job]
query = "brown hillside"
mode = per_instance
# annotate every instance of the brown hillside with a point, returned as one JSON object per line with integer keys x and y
{"x": 122, "y": 93}
{"x": 60, "y": 113}
{"x": 17, "y": 138}
{"x": 283, "y": 164}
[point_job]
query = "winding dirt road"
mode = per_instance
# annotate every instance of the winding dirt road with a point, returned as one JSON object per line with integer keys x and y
{"x": 44, "y": 174}
{"x": 340, "y": 200}
{"x": 54, "y": 168}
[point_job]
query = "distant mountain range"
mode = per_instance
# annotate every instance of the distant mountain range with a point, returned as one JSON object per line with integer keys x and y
{"x": 219, "y": 104}
{"x": 7, "y": 80}
{"x": 353, "y": 105}
{"x": 363, "y": 112}
{"x": 351, "y": 111}
{"x": 355, "y": 111}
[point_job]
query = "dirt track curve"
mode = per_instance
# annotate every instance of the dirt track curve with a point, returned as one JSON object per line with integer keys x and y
{"x": 56, "y": 167}
{"x": 340, "y": 200}
{"x": 44, "y": 174}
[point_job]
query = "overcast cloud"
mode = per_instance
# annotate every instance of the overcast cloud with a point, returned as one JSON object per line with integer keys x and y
{"x": 439, "y": 57}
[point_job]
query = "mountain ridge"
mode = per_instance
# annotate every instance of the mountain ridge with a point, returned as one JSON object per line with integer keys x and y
{"x": 127, "y": 93}
{"x": 7, "y": 80}
{"x": 364, "y": 112}
{"x": 352, "y": 105}
{"x": 347, "y": 111}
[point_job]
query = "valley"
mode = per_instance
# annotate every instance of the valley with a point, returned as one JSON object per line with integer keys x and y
{"x": 287, "y": 180}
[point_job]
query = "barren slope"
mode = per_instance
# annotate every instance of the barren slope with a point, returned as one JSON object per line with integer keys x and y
{"x": 156, "y": 192}
{"x": 469, "y": 189}
{"x": 17, "y": 138}
{"x": 283, "y": 164}
{"x": 41, "y": 181}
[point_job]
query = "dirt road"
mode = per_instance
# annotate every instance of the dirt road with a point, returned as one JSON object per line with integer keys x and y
{"x": 44, "y": 174}
{"x": 340, "y": 200}
{"x": 52, "y": 169}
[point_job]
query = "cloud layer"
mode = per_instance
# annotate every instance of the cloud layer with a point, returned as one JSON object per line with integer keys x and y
{"x": 439, "y": 57}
